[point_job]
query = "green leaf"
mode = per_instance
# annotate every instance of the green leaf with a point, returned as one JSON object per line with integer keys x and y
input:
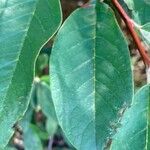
{"x": 63, "y": 149}
{"x": 24, "y": 27}
{"x": 130, "y": 4}
{"x": 45, "y": 79}
{"x": 51, "y": 126}
{"x": 45, "y": 100}
{"x": 134, "y": 131}
{"x": 140, "y": 10}
{"x": 9, "y": 148}
{"x": 33, "y": 97}
{"x": 31, "y": 138}
{"x": 31, "y": 133}
{"x": 92, "y": 1}
{"x": 141, "y": 15}
{"x": 91, "y": 77}
{"x": 42, "y": 134}
{"x": 41, "y": 63}
{"x": 145, "y": 33}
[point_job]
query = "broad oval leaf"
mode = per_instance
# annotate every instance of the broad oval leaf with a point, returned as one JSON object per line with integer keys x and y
{"x": 134, "y": 131}
{"x": 24, "y": 27}
{"x": 91, "y": 77}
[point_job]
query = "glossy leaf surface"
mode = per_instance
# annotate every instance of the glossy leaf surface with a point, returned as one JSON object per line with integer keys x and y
{"x": 90, "y": 76}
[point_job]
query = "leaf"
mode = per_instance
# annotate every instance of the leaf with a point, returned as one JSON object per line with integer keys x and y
{"x": 130, "y": 4}
{"x": 31, "y": 133}
{"x": 133, "y": 133}
{"x": 45, "y": 100}
{"x": 41, "y": 63}
{"x": 51, "y": 126}
{"x": 91, "y": 77}
{"x": 33, "y": 97}
{"x": 140, "y": 14}
{"x": 9, "y": 148}
{"x": 45, "y": 79}
{"x": 27, "y": 118}
{"x": 42, "y": 134}
{"x": 24, "y": 27}
{"x": 140, "y": 10}
{"x": 31, "y": 139}
{"x": 145, "y": 33}
{"x": 92, "y": 1}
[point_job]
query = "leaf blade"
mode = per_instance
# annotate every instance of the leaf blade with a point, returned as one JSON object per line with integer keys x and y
{"x": 134, "y": 131}
{"x": 140, "y": 14}
{"x": 81, "y": 84}
{"x": 24, "y": 28}
{"x": 140, "y": 10}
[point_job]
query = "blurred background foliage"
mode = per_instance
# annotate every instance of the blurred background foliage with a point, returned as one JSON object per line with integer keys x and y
{"x": 39, "y": 129}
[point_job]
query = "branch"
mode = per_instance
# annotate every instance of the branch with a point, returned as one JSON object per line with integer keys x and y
{"x": 130, "y": 24}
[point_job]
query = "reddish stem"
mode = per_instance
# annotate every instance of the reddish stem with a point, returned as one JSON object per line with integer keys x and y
{"x": 133, "y": 33}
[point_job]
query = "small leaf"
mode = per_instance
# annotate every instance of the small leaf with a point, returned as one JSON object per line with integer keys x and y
{"x": 130, "y": 4}
{"x": 31, "y": 139}
{"x": 141, "y": 16}
{"x": 45, "y": 100}
{"x": 145, "y": 32}
{"x": 140, "y": 10}
{"x": 42, "y": 134}
{"x": 134, "y": 131}
{"x": 9, "y": 148}
{"x": 45, "y": 79}
{"x": 51, "y": 126}
{"x": 25, "y": 25}
{"x": 92, "y": 1}
{"x": 91, "y": 77}
{"x": 41, "y": 63}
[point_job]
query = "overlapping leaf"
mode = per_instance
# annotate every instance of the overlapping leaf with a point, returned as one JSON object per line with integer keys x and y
{"x": 135, "y": 126}
{"x": 140, "y": 10}
{"x": 45, "y": 100}
{"x": 31, "y": 138}
{"x": 24, "y": 27}
{"x": 141, "y": 15}
{"x": 91, "y": 77}
{"x": 145, "y": 33}
{"x": 41, "y": 97}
